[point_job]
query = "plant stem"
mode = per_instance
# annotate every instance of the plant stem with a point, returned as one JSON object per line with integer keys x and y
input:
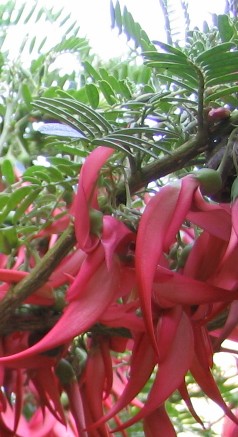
{"x": 165, "y": 165}
{"x": 10, "y": 105}
{"x": 37, "y": 278}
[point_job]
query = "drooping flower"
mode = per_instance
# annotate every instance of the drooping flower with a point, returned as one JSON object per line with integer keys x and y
{"x": 170, "y": 335}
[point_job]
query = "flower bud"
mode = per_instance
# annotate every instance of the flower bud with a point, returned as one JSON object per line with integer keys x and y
{"x": 218, "y": 114}
{"x": 184, "y": 255}
{"x": 96, "y": 220}
{"x": 210, "y": 180}
{"x": 65, "y": 372}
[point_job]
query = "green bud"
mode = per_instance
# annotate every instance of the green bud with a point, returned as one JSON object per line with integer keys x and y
{"x": 184, "y": 255}
{"x": 210, "y": 180}
{"x": 96, "y": 219}
{"x": 65, "y": 372}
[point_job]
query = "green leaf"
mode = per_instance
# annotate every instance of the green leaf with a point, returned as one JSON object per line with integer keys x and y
{"x": 61, "y": 130}
{"x": 71, "y": 27}
{"x": 8, "y": 171}
{"x": 33, "y": 169}
{"x": 104, "y": 73}
{"x": 43, "y": 176}
{"x": 110, "y": 143}
{"x": 33, "y": 180}
{"x": 225, "y": 28}
{"x": 26, "y": 94}
{"x": 56, "y": 160}
{"x": 114, "y": 82}
{"x": 171, "y": 63}
{"x": 8, "y": 239}
{"x": 63, "y": 115}
{"x": 92, "y": 95}
{"x": 181, "y": 84}
{"x": 17, "y": 196}
{"x": 42, "y": 43}
{"x": 221, "y": 93}
{"x": 20, "y": 12}
{"x": 39, "y": 15}
{"x": 224, "y": 60}
{"x": 125, "y": 90}
{"x": 29, "y": 199}
{"x": 3, "y": 200}
{"x": 129, "y": 24}
{"x": 91, "y": 71}
{"x": 169, "y": 58}
{"x": 117, "y": 16}
{"x": 70, "y": 44}
{"x": 226, "y": 78}
{"x": 145, "y": 75}
{"x": 107, "y": 91}
{"x": 171, "y": 49}
{"x": 112, "y": 12}
{"x": 208, "y": 55}
{"x": 32, "y": 44}
{"x": 30, "y": 14}
{"x": 54, "y": 174}
{"x": 26, "y": 230}
{"x": 65, "y": 19}
{"x": 71, "y": 150}
{"x": 69, "y": 110}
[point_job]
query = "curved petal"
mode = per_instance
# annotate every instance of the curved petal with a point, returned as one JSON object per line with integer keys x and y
{"x": 214, "y": 218}
{"x": 158, "y": 424}
{"x": 173, "y": 288}
{"x": 95, "y": 296}
{"x": 142, "y": 365}
{"x": 86, "y": 196}
{"x": 171, "y": 372}
{"x": 158, "y": 226}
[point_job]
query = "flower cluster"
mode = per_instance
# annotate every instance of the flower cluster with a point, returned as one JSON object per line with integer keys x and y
{"x": 137, "y": 304}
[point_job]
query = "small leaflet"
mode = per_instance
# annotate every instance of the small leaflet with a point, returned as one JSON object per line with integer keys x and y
{"x": 59, "y": 129}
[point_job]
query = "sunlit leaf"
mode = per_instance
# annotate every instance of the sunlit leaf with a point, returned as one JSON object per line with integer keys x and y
{"x": 209, "y": 54}
{"x": 107, "y": 92}
{"x": 91, "y": 71}
{"x": 225, "y": 28}
{"x": 92, "y": 94}
{"x": 61, "y": 130}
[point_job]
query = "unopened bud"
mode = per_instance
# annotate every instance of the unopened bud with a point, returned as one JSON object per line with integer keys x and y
{"x": 96, "y": 220}
{"x": 210, "y": 180}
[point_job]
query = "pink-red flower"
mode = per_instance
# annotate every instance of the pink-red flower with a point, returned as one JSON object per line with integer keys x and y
{"x": 138, "y": 309}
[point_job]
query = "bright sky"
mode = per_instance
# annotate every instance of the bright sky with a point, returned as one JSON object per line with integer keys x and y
{"x": 94, "y": 19}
